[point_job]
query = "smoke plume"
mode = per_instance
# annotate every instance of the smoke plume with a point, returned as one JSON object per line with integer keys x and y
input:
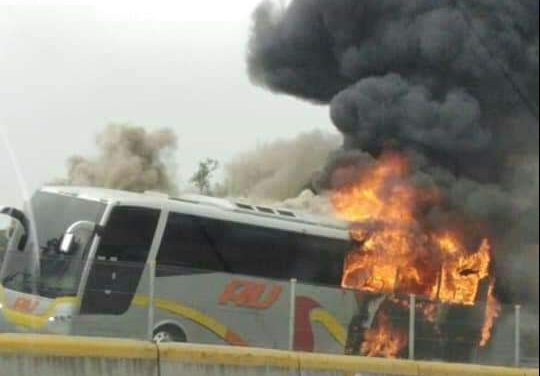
{"x": 130, "y": 158}
{"x": 451, "y": 83}
{"x": 280, "y": 169}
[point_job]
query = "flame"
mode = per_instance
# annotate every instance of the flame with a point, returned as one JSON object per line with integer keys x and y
{"x": 384, "y": 339}
{"x": 493, "y": 310}
{"x": 397, "y": 250}
{"x": 461, "y": 275}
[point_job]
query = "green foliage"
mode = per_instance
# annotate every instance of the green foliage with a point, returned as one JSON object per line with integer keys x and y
{"x": 202, "y": 179}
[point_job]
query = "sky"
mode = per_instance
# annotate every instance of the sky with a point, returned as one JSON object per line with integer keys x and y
{"x": 67, "y": 69}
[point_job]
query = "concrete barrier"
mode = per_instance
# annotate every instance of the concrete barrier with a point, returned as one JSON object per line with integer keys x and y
{"x": 22, "y": 355}
{"x": 71, "y": 356}
{"x": 196, "y": 360}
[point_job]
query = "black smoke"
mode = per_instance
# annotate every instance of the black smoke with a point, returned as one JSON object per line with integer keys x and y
{"x": 453, "y": 83}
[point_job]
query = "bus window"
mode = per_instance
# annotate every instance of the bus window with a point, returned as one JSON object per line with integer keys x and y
{"x": 187, "y": 245}
{"x": 120, "y": 260}
{"x": 320, "y": 260}
{"x": 253, "y": 250}
{"x": 280, "y": 254}
{"x": 202, "y": 243}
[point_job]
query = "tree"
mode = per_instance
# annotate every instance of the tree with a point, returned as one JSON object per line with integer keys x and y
{"x": 203, "y": 177}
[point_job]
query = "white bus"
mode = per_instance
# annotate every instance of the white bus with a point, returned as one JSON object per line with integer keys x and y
{"x": 98, "y": 262}
{"x": 101, "y": 262}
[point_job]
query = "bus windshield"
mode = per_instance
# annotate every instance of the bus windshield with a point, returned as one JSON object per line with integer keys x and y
{"x": 45, "y": 270}
{"x": 5, "y": 229}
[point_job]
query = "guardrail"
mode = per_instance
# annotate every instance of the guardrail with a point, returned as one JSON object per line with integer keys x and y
{"x": 28, "y": 355}
{"x": 31, "y": 355}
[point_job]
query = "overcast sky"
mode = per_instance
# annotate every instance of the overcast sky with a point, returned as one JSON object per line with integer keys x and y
{"x": 67, "y": 70}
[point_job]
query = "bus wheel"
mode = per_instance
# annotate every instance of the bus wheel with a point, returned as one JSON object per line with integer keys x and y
{"x": 169, "y": 333}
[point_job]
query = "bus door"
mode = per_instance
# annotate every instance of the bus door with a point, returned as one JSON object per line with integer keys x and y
{"x": 119, "y": 261}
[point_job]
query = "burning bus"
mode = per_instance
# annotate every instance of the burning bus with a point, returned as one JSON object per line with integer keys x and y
{"x": 399, "y": 252}
{"x": 91, "y": 261}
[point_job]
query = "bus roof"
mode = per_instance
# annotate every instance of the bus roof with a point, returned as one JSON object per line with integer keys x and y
{"x": 260, "y": 215}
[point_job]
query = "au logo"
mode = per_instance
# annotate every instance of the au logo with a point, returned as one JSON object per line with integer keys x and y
{"x": 250, "y": 294}
{"x": 27, "y": 305}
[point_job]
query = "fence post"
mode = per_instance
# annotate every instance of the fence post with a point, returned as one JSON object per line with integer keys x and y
{"x": 151, "y": 299}
{"x": 412, "y": 326}
{"x": 292, "y": 313}
{"x": 517, "y": 337}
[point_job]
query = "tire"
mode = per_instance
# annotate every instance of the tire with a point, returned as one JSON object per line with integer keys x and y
{"x": 169, "y": 334}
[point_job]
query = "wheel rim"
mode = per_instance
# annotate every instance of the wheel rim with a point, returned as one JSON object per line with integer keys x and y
{"x": 163, "y": 337}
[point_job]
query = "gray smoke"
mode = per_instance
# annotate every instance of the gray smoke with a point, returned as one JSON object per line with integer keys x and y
{"x": 278, "y": 170}
{"x": 129, "y": 158}
{"x": 452, "y": 83}
{"x": 501, "y": 352}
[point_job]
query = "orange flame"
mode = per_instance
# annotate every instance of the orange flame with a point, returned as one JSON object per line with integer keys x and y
{"x": 397, "y": 250}
{"x": 493, "y": 310}
{"x": 384, "y": 339}
{"x": 461, "y": 275}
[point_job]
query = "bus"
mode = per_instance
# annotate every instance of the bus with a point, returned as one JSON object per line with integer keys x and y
{"x": 99, "y": 262}
{"x": 92, "y": 261}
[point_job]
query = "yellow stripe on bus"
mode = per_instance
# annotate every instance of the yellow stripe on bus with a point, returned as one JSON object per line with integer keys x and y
{"x": 327, "y": 320}
{"x": 33, "y": 321}
{"x": 194, "y": 315}
{"x": 29, "y": 320}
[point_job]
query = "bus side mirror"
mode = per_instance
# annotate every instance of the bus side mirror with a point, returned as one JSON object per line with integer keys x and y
{"x": 69, "y": 241}
{"x": 21, "y": 219}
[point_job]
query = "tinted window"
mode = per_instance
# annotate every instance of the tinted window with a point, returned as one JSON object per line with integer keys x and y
{"x": 129, "y": 234}
{"x": 320, "y": 259}
{"x": 210, "y": 244}
{"x": 253, "y": 250}
{"x": 280, "y": 254}
{"x": 121, "y": 258}
{"x": 187, "y": 243}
